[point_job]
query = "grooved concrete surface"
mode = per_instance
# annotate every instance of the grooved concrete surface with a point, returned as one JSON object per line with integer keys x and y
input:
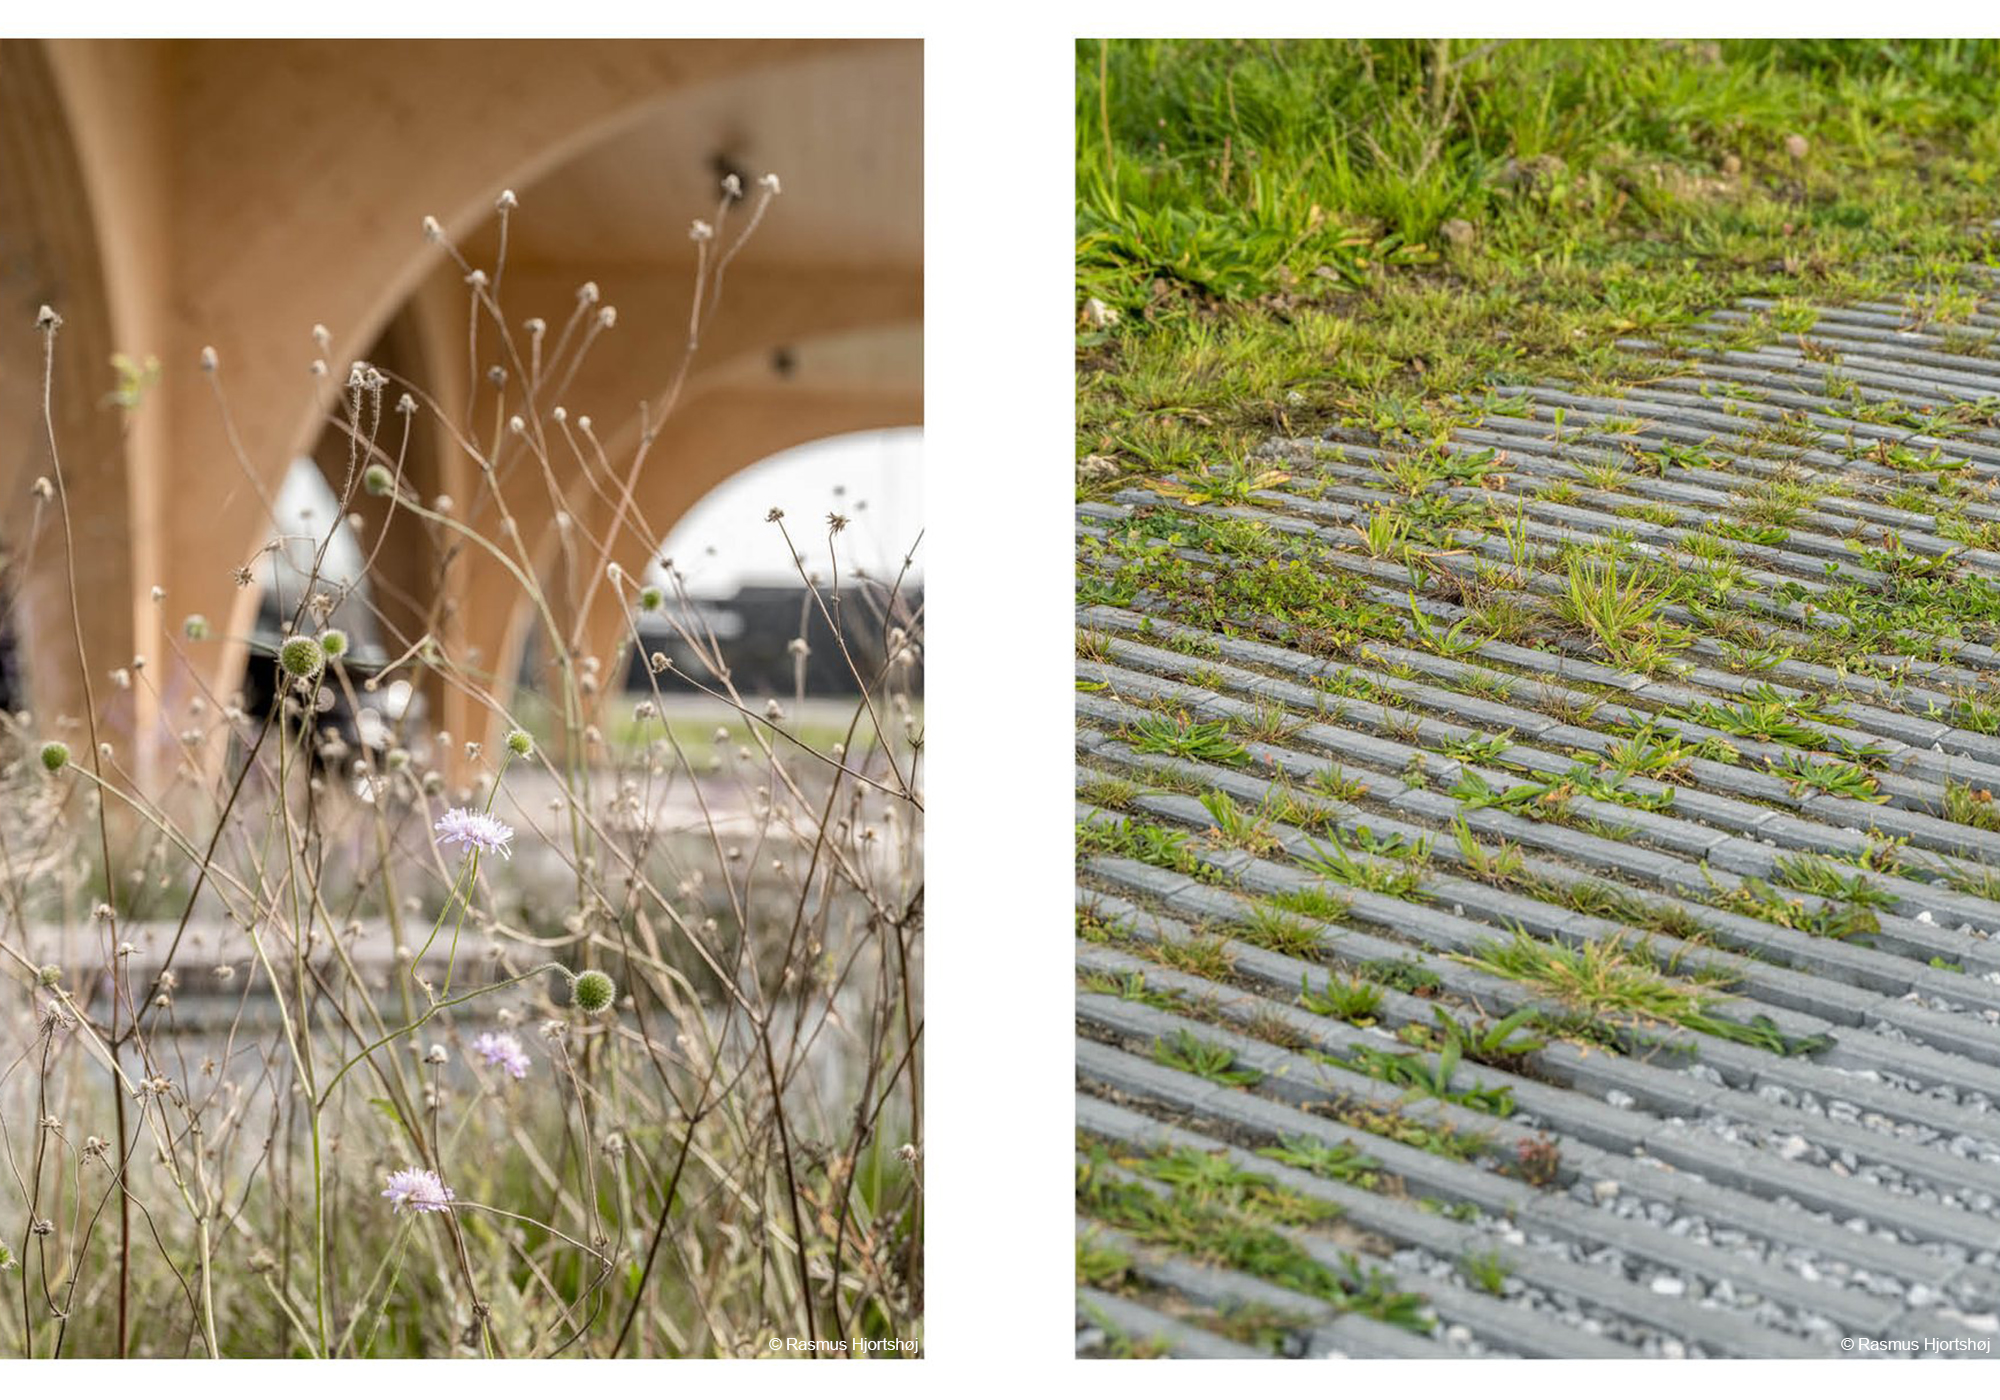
{"x": 1539, "y": 888}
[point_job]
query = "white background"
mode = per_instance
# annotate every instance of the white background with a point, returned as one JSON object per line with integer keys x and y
{"x": 876, "y": 479}
{"x": 998, "y": 451}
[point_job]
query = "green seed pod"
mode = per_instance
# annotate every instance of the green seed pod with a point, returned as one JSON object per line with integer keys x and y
{"x": 652, "y": 598}
{"x": 378, "y": 480}
{"x": 55, "y": 755}
{"x": 519, "y": 744}
{"x": 301, "y": 657}
{"x": 49, "y": 975}
{"x": 594, "y": 991}
{"x": 196, "y": 627}
{"x": 333, "y": 642}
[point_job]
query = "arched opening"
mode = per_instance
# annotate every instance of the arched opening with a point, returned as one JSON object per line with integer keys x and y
{"x": 741, "y": 918}
{"x": 873, "y": 478}
{"x": 318, "y": 553}
{"x": 726, "y": 569}
{"x": 728, "y": 590}
{"x": 317, "y": 579}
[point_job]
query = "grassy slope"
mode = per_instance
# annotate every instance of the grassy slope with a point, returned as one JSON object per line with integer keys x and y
{"x": 1310, "y": 234}
{"x": 1272, "y": 221}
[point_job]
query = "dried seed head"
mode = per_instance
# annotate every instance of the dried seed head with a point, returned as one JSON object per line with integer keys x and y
{"x": 593, "y": 991}
{"x": 302, "y": 657}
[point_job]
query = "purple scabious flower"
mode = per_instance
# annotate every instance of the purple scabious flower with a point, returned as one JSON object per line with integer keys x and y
{"x": 475, "y": 829}
{"x": 503, "y": 1048}
{"x": 419, "y": 1189}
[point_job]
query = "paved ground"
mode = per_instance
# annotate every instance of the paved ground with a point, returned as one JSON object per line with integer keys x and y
{"x": 1731, "y": 856}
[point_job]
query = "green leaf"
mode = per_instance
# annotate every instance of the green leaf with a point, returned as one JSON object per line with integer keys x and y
{"x": 1447, "y": 1065}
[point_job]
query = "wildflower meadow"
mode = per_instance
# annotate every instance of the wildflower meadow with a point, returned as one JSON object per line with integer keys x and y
{"x": 596, "y": 1033}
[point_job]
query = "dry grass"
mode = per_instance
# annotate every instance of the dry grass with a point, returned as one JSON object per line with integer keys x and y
{"x": 233, "y": 1008}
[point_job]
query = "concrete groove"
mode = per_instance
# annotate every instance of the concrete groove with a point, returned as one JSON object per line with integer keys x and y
{"x": 1594, "y": 1141}
{"x": 1612, "y": 1129}
{"x": 1405, "y": 1222}
{"x": 1729, "y": 853}
{"x": 1138, "y": 1324}
{"x": 1492, "y": 1321}
{"x": 1714, "y": 1196}
{"x": 1223, "y": 1290}
{"x": 1883, "y": 973}
{"x": 1750, "y": 1069}
{"x": 1269, "y": 1120}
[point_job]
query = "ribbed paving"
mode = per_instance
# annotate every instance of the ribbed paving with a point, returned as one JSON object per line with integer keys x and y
{"x": 1538, "y": 886}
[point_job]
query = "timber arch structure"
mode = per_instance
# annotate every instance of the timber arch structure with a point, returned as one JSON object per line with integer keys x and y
{"x": 170, "y": 196}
